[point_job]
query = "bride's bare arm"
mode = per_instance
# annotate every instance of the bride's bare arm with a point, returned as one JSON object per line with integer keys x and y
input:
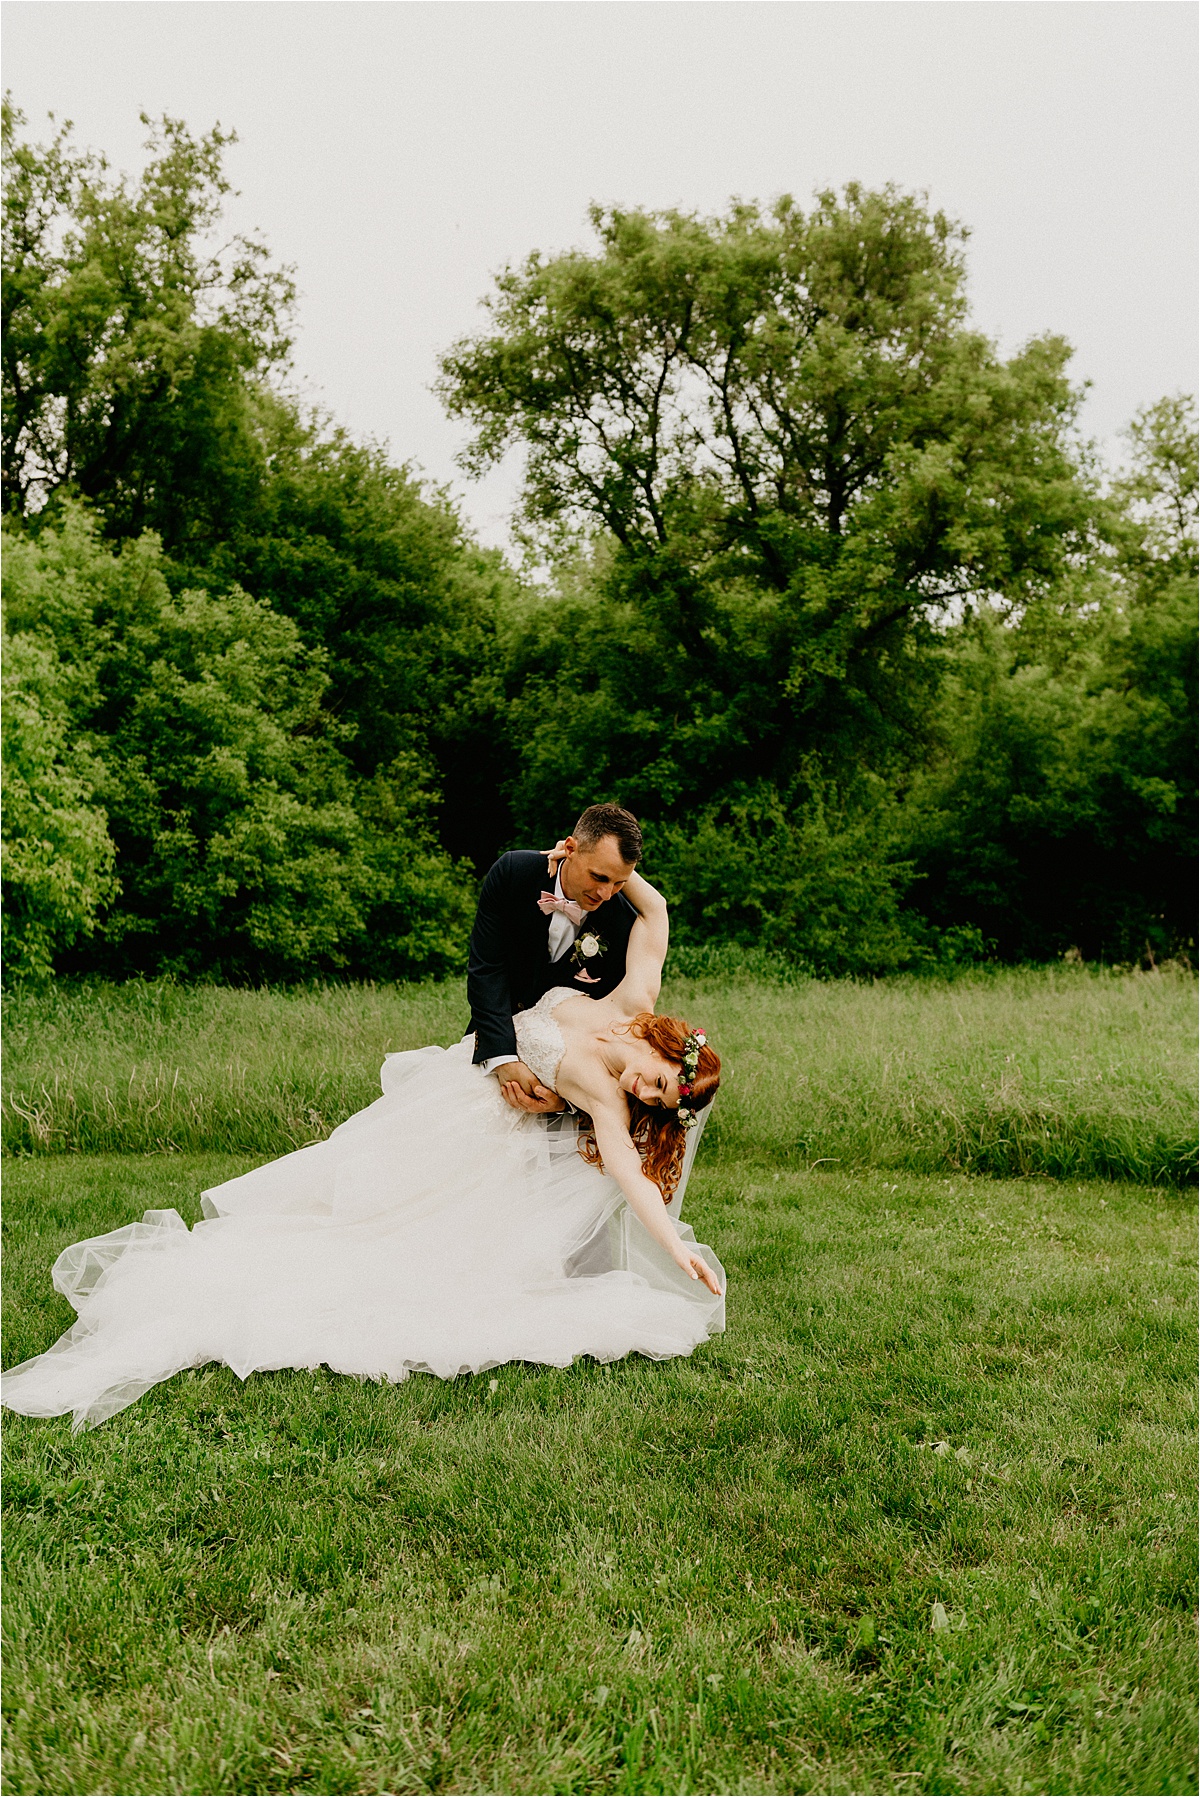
{"x": 622, "y": 1161}
{"x": 647, "y": 949}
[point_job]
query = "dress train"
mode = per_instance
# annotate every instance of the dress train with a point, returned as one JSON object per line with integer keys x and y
{"x": 436, "y": 1231}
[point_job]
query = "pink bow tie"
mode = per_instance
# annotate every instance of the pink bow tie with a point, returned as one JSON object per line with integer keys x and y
{"x": 548, "y": 903}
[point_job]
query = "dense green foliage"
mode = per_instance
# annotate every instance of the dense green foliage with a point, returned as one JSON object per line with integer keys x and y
{"x": 854, "y": 597}
{"x": 243, "y": 699}
{"x": 130, "y": 344}
{"x": 1061, "y": 806}
{"x": 58, "y": 854}
{"x": 832, "y": 596}
{"x": 243, "y": 842}
{"x": 799, "y": 454}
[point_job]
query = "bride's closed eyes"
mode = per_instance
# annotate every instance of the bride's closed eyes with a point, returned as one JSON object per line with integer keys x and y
{"x": 651, "y": 1085}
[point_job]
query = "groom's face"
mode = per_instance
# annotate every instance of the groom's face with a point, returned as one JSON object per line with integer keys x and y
{"x": 591, "y": 876}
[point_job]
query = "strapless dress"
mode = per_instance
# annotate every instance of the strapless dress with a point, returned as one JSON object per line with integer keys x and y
{"x": 436, "y": 1231}
{"x": 539, "y": 1040}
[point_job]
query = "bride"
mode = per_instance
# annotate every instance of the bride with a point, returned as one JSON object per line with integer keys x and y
{"x": 438, "y": 1230}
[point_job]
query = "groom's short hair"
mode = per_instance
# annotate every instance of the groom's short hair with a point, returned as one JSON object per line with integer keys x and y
{"x": 599, "y": 821}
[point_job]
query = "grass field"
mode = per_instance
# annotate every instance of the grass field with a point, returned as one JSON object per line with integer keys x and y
{"x": 1074, "y": 1073}
{"x": 923, "y": 1520}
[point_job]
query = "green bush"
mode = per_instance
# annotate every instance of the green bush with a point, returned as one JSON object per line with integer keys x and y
{"x": 244, "y": 841}
{"x": 1062, "y": 811}
{"x": 57, "y": 853}
{"x": 817, "y": 884}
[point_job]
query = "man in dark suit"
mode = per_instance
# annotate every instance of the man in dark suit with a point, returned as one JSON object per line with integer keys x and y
{"x": 533, "y": 931}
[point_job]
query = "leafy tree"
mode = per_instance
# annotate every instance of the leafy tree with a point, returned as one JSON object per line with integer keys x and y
{"x": 775, "y": 388}
{"x": 1062, "y": 812}
{"x": 139, "y": 359}
{"x": 379, "y": 572}
{"x": 793, "y": 461}
{"x": 131, "y": 339}
{"x": 837, "y": 602}
{"x": 1158, "y": 492}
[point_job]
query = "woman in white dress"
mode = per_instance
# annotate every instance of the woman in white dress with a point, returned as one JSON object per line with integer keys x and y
{"x": 439, "y": 1230}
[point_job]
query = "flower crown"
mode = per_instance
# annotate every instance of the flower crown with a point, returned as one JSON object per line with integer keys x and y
{"x": 686, "y": 1114}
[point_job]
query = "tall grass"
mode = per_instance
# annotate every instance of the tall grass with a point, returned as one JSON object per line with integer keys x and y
{"x": 153, "y": 1066}
{"x": 1070, "y": 1072}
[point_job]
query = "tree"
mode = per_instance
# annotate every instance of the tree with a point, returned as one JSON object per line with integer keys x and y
{"x": 790, "y": 461}
{"x": 377, "y": 570}
{"x": 772, "y": 388}
{"x": 1158, "y": 492}
{"x": 1061, "y": 812}
{"x": 837, "y": 602}
{"x": 141, "y": 353}
{"x": 132, "y": 338}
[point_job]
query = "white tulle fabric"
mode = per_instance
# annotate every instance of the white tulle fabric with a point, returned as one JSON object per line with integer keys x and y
{"x": 436, "y": 1231}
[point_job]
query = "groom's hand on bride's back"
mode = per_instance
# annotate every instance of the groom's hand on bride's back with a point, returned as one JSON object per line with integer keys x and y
{"x": 524, "y": 1091}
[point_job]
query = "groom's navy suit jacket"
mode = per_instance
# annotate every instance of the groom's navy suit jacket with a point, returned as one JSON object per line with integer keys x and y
{"x": 509, "y": 965}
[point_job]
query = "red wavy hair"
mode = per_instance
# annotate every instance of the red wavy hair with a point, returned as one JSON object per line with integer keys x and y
{"x": 657, "y": 1134}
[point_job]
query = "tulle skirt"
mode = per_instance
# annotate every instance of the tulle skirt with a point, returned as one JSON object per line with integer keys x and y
{"x": 436, "y": 1231}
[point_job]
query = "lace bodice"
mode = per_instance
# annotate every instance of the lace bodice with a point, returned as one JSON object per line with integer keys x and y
{"x": 539, "y": 1040}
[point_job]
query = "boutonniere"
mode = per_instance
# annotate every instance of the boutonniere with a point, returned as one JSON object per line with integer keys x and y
{"x": 589, "y": 946}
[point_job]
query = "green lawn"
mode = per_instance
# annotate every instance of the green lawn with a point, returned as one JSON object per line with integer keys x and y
{"x": 922, "y": 1520}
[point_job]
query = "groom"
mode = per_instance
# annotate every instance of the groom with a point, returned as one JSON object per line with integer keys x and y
{"x": 529, "y": 937}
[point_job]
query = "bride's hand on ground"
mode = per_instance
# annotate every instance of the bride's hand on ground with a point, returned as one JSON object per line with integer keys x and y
{"x": 698, "y": 1267}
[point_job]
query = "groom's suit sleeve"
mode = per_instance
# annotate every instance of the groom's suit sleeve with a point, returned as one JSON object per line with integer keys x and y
{"x": 489, "y": 991}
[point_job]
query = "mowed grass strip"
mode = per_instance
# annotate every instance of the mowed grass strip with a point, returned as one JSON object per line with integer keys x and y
{"x": 922, "y": 1520}
{"x": 1073, "y": 1072}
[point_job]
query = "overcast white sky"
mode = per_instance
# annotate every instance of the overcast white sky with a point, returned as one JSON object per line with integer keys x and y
{"x": 400, "y": 153}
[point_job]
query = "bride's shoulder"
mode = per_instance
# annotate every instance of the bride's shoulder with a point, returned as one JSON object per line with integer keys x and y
{"x": 591, "y": 1014}
{"x": 571, "y": 1008}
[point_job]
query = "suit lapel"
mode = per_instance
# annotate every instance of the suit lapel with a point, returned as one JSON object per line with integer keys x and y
{"x": 532, "y": 924}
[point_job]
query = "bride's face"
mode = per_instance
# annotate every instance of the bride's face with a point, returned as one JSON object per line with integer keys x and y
{"x": 649, "y": 1077}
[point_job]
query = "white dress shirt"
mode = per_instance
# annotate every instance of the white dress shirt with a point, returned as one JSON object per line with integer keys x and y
{"x": 562, "y": 937}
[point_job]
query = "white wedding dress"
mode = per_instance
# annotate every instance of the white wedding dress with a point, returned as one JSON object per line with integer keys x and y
{"x": 436, "y": 1231}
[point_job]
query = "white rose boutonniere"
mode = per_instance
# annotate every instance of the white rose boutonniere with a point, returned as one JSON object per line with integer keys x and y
{"x": 589, "y": 947}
